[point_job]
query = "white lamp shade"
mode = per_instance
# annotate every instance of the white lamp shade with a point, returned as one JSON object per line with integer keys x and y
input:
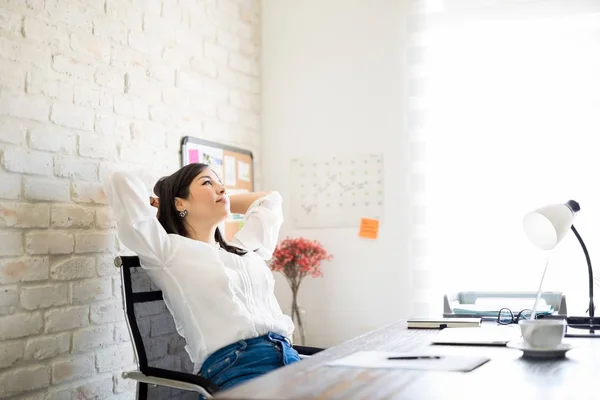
{"x": 547, "y": 226}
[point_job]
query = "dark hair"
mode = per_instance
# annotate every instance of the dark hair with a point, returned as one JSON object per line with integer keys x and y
{"x": 178, "y": 185}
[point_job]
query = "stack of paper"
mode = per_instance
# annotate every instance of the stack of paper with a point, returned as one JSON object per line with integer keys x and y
{"x": 490, "y": 310}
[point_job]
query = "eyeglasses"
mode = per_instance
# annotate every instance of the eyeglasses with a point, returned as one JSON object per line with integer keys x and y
{"x": 506, "y": 316}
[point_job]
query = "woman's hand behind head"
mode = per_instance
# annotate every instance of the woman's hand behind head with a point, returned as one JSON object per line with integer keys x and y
{"x": 154, "y": 202}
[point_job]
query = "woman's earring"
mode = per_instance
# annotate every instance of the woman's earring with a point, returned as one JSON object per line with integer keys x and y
{"x": 183, "y": 213}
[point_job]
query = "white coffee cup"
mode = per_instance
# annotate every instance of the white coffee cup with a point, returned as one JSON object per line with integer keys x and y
{"x": 543, "y": 333}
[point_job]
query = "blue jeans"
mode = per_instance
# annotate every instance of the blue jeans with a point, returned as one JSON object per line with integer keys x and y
{"x": 248, "y": 359}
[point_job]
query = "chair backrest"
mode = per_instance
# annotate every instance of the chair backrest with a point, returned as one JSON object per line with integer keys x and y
{"x": 156, "y": 342}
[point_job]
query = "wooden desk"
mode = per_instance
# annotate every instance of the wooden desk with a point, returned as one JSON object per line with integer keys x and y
{"x": 507, "y": 374}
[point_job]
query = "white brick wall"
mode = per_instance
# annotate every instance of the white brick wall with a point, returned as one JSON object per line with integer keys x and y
{"x": 15, "y": 270}
{"x": 10, "y": 351}
{"x": 20, "y": 325}
{"x": 92, "y": 338}
{"x": 9, "y": 299}
{"x": 18, "y": 380}
{"x": 72, "y": 368}
{"x": 66, "y": 318}
{"x": 44, "y": 296}
{"x": 48, "y": 346}
{"x": 20, "y": 215}
{"x": 47, "y": 242}
{"x": 86, "y": 85}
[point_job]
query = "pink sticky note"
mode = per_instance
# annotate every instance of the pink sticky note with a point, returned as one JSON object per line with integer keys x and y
{"x": 193, "y": 156}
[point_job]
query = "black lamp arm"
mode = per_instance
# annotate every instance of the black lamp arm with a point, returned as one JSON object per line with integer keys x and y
{"x": 590, "y": 271}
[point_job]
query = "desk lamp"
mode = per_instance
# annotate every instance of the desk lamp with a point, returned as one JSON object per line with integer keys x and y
{"x": 545, "y": 228}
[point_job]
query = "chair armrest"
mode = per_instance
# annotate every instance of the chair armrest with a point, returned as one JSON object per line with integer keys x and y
{"x": 198, "y": 380}
{"x": 163, "y": 382}
{"x": 307, "y": 350}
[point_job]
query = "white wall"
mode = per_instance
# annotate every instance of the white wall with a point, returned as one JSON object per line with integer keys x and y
{"x": 87, "y": 84}
{"x": 332, "y": 82}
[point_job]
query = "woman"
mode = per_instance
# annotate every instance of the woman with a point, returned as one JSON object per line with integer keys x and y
{"x": 220, "y": 294}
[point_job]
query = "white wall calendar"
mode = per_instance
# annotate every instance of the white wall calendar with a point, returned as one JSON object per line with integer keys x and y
{"x": 336, "y": 190}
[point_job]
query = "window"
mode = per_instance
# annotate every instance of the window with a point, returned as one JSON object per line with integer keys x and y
{"x": 504, "y": 118}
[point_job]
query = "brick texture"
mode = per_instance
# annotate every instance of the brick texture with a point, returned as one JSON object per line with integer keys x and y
{"x": 20, "y": 325}
{"x": 14, "y": 270}
{"x": 73, "y": 368}
{"x": 92, "y": 338}
{"x": 61, "y": 319}
{"x": 19, "y": 380}
{"x": 49, "y": 346}
{"x": 10, "y": 352}
{"x": 87, "y": 86}
{"x": 44, "y": 296}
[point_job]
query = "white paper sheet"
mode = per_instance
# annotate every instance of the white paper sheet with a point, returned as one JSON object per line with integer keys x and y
{"x": 243, "y": 171}
{"x": 491, "y": 335}
{"x": 378, "y": 359}
{"x": 229, "y": 169}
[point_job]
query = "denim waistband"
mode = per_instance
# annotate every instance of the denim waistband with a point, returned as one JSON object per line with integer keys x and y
{"x": 270, "y": 336}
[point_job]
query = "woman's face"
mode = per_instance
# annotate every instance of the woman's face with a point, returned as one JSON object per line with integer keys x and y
{"x": 208, "y": 202}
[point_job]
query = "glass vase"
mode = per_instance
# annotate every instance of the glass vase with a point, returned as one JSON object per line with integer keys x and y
{"x": 298, "y": 315}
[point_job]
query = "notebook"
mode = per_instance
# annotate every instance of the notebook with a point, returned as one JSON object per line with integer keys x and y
{"x": 440, "y": 323}
{"x": 486, "y": 336}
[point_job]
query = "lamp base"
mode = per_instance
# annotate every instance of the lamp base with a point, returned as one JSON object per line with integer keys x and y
{"x": 583, "y": 327}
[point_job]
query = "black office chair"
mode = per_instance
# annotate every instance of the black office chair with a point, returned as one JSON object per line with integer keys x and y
{"x": 165, "y": 370}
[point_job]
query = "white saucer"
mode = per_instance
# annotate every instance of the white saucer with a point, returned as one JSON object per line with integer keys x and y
{"x": 541, "y": 353}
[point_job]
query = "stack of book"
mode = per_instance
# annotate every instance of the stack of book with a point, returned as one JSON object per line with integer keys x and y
{"x": 441, "y": 323}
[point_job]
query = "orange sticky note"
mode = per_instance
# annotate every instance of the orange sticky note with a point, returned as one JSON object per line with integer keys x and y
{"x": 369, "y": 228}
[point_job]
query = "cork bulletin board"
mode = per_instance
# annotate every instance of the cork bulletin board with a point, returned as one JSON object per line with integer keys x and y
{"x": 233, "y": 165}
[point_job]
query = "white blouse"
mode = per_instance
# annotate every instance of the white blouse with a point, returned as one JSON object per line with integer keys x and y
{"x": 216, "y": 297}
